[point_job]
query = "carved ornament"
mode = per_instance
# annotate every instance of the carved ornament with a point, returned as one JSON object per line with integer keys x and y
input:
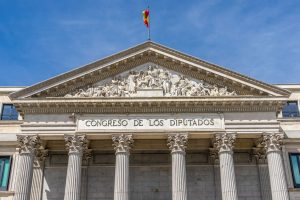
{"x": 177, "y": 143}
{"x": 272, "y": 142}
{"x": 41, "y": 154}
{"x": 122, "y": 143}
{"x": 213, "y": 156}
{"x": 153, "y": 78}
{"x": 224, "y": 142}
{"x": 76, "y": 143}
{"x": 28, "y": 144}
{"x": 260, "y": 155}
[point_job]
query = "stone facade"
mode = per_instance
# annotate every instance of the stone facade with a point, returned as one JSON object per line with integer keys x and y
{"x": 150, "y": 123}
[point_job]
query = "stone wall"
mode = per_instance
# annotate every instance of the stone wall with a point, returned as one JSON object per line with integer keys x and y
{"x": 100, "y": 183}
{"x": 54, "y": 183}
{"x": 248, "y": 185}
{"x": 150, "y": 183}
{"x": 150, "y": 178}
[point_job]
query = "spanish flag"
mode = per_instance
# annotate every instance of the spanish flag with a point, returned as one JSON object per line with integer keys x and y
{"x": 146, "y": 17}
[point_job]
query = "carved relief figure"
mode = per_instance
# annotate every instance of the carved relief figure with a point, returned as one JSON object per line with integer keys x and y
{"x": 152, "y": 78}
{"x": 131, "y": 82}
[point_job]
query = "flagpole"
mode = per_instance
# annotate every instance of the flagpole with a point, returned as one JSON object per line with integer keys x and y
{"x": 149, "y": 38}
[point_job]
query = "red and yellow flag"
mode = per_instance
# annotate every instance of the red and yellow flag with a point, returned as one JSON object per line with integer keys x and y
{"x": 146, "y": 14}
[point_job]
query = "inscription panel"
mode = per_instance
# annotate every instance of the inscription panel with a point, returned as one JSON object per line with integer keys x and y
{"x": 150, "y": 123}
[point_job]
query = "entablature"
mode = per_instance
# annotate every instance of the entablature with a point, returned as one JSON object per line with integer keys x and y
{"x": 150, "y": 104}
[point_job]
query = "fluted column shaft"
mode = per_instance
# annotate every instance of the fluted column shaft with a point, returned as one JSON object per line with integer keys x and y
{"x": 121, "y": 176}
{"x": 28, "y": 146}
{"x": 264, "y": 181}
{"x": 76, "y": 144}
{"x": 263, "y": 171}
{"x": 277, "y": 177}
{"x": 224, "y": 145}
{"x": 177, "y": 144}
{"x": 122, "y": 145}
{"x": 272, "y": 143}
{"x": 38, "y": 173}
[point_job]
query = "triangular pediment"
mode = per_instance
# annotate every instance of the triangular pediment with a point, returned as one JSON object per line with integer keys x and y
{"x": 148, "y": 70}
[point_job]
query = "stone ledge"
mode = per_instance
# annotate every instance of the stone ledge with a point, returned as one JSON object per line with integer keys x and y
{"x": 6, "y": 193}
{"x": 294, "y": 189}
{"x": 11, "y": 122}
{"x": 289, "y": 119}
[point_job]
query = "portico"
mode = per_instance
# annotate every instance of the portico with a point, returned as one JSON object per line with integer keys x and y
{"x": 151, "y": 123}
{"x": 224, "y": 144}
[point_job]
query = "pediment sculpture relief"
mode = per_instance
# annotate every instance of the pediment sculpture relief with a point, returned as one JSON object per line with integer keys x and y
{"x": 150, "y": 79}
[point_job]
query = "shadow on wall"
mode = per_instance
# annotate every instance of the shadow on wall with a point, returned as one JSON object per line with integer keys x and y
{"x": 54, "y": 183}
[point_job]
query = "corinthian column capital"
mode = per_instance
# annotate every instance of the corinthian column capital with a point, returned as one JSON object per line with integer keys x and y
{"x": 41, "y": 154}
{"x": 177, "y": 142}
{"x": 272, "y": 142}
{"x": 224, "y": 142}
{"x": 28, "y": 144}
{"x": 76, "y": 143}
{"x": 259, "y": 154}
{"x": 122, "y": 143}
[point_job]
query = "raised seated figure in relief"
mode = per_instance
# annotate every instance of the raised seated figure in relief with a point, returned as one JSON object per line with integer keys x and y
{"x": 195, "y": 91}
{"x": 122, "y": 90}
{"x": 203, "y": 89}
{"x": 141, "y": 82}
{"x": 97, "y": 91}
{"x": 147, "y": 79}
{"x": 223, "y": 91}
{"x": 154, "y": 81}
{"x": 153, "y": 71}
{"x": 214, "y": 91}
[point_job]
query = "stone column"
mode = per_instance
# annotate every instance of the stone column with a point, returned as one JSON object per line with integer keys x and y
{"x": 76, "y": 145}
{"x": 14, "y": 170}
{"x": 272, "y": 145}
{"x": 28, "y": 145}
{"x": 263, "y": 172}
{"x": 224, "y": 144}
{"x": 214, "y": 161}
{"x": 38, "y": 174}
{"x": 122, "y": 144}
{"x": 87, "y": 155}
{"x": 177, "y": 145}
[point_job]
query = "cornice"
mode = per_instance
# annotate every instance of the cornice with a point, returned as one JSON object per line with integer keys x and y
{"x": 80, "y": 70}
{"x": 149, "y": 52}
{"x": 149, "y": 105}
{"x": 219, "y": 68}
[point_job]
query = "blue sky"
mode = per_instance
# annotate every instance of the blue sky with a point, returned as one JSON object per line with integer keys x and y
{"x": 41, "y": 39}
